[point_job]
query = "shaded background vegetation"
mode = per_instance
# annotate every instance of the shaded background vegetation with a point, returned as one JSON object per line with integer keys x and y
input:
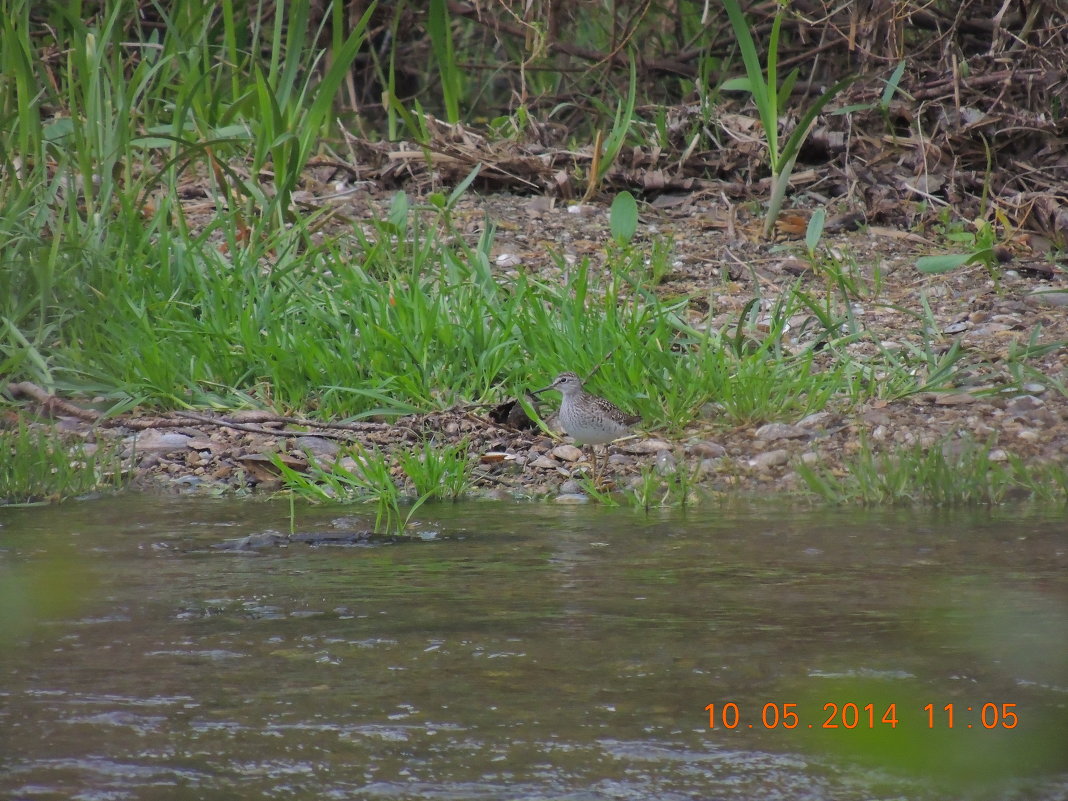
{"x": 979, "y": 111}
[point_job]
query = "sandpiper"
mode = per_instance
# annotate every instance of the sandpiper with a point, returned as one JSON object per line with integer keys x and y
{"x": 589, "y": 419}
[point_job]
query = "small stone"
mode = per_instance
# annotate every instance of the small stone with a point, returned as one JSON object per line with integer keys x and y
{"x": 567, "y": 453}
{"x": 351, "y": 465}
{"x": 810, "y": 458}
{"x": 151, "y": 440}
{"x": 544, "y": 463}
{"x": 635, "y": 482}
{"x": 572, "y": 498}
{"x": 875, "y": 417}
{"x": 769, "y": 459}
{"x": 707, "y": 450}
{"x": 814, "y": 420}
{"x": 998, "y": 455}
{"x": 571, "y": 487}
{"x": 222, "y": 472}
{"x": 1034, "y": 389}
{"x": 1027, "y": 435}
{"x": 954, "y": 399}
{"x": 665, "y": 463}
{"x": 1024, "y": 406}
{"x": 792, "y": 265}
{"x": 508, "y": 260}
{"x": 646, "y": 446}
{"x": 708, "y": 467}
{"x": 774, "y": 431}
{"x": 710, "y": 410}
{"x": 990, "y": 329}
{"x": 1057, "y": 297}
{"x": 320, "y": 446}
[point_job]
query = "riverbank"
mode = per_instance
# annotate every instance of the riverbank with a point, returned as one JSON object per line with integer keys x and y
{"x": 963, "y": 364}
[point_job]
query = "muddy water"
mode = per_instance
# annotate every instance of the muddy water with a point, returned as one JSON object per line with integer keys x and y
{"x": 533, "y": 652}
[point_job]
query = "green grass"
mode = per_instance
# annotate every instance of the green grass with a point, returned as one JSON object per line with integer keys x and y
{"x": 396, "y": 485}
{"x": 952, "y": 473}
{"x": 40, "y": 466}
{"x": 113, "y": 284}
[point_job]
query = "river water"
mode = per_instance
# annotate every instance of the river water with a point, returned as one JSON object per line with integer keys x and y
{"x": 533, "y": 651}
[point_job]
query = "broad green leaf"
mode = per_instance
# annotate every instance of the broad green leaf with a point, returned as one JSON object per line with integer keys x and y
{"x": 398, "y": 211}
{"x": 736, "y": 85}
{"x": 944, "y": 263}
{"x": 892, "y": 84}
{"x": 461, "y": 187}
{"x": 623, "y": 217}
{"x": 815, "y": 229}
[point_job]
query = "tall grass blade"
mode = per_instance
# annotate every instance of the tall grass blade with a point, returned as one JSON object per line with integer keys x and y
{"x": 438, "y": 26}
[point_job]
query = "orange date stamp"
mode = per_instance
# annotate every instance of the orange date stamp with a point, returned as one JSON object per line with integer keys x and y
{"x": 849, "y": 715}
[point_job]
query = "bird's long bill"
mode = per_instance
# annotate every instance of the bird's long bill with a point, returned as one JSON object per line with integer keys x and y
{"x": 543, "y": 389}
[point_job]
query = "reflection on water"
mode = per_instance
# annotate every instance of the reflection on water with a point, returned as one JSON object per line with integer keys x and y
{"x": 531, "y": 651}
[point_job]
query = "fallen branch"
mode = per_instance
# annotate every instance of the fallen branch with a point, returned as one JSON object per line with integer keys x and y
{"x": 50, "y": 403}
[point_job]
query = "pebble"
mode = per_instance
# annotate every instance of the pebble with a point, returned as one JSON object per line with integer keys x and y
{"x": 567, "y": 453}
{"x": 1024, "y": 406}
{"x": 635, "y": 482}
{"x": 545, "y": 463}
{"x": 814, "y": 420}
{"x": 647, "y": 446}
{"x": 707, "y": 450}
{"x": 320, "y": 446}
{"x": 774, "y": 431}
{"x": 1048, "y": 298}
{"x": 350, "y": 465}
{"x": 707, "y": 467}
{"x": 875, "y": 417}
{"x": 572, "y": 498}
{"x": 571, "y": 487}
{"x": 710, "y": 410}
{"x": 769, "y": 459}
{"x": 152, "y": 440}
{"x": 665, "y": 463}
{"x": 954, "y": 399}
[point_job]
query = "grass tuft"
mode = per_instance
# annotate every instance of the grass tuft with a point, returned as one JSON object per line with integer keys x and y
{"x": 953, "y": 473}
{"x": 41, "y": 466}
